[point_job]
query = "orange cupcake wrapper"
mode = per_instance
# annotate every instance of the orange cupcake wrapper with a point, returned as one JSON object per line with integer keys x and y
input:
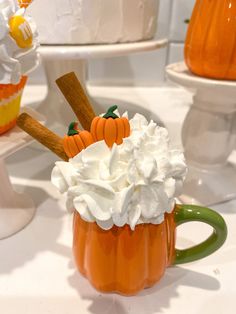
{"x": 7, "y": 90}
{"x": 10, "y": 99}
{"x": 7, "y": 127}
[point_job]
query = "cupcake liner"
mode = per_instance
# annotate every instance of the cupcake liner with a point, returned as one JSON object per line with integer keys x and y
{"x": 10, "y": 99}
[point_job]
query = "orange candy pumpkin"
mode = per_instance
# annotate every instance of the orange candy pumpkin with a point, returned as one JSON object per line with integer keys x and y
{"x": 210, "y": 46}
{"x": 110, "y": 128}
{"x": 75, "y": 140}
{"x": 24, "y": 3}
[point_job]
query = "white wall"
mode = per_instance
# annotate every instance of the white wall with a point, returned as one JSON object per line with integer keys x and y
{"x": 146, "y": 69}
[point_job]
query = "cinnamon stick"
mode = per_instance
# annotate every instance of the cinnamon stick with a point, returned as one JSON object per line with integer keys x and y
{"x": 77, "y": 99}
{"x": 42, "y": 134}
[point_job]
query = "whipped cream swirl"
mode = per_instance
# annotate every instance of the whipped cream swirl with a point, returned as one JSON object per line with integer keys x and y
{"x": 132, "y": 183}
{"x": 15, "y": 61}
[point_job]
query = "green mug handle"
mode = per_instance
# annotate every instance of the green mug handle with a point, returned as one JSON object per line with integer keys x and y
{"x": 187, "y": 213}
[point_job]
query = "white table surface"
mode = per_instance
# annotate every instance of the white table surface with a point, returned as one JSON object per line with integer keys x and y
{"x": 37, "y": 273}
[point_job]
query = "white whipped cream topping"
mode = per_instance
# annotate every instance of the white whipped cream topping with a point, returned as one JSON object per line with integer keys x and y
{"x": 132, "y": 183}
{"x": 15, "y": 61}
{"x": 94, "y": 21}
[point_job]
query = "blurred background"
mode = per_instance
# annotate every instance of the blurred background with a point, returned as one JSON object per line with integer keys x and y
{"x": 142, "y": 69}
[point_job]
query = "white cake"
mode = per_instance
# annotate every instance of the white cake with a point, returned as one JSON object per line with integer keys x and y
{"x": 94, "y": 21}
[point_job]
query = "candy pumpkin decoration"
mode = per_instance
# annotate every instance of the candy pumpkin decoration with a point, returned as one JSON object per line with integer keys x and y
{"x": 24, "y": 3}
{"x": 75, "y": 140}
{"x": 210, "y": 47}
{"x": 110, "y": 128}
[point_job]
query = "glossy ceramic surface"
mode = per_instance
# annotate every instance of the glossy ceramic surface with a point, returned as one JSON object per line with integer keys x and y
{"x": 210, "y": 47}
{"x": 187, "y": 213}
{"x": 125, "y": 261}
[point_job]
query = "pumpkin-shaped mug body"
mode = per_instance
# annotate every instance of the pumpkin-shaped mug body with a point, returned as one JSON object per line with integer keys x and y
{"x": 110, "y": 128}
{"x": 210, "y": 46}
{"x": 120, "y": 259}
{"x": 75, "y": 140}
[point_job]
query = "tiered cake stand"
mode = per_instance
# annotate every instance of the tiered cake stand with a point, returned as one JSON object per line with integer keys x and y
{"x": 16, "y": 210}
{"x": 208, "y": 136}
{"x": 59, "y": 60}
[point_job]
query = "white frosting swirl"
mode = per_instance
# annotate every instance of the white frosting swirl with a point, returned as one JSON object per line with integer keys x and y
{"x": 132, "y": 183}
{"x": 15, "y": 61}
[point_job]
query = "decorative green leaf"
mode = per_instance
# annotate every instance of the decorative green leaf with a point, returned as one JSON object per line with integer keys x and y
{"x": 110, "y": 113}
{"x": 71, "y": 129}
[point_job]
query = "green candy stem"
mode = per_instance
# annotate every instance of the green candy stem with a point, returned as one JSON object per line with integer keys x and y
{"x": 71, "y": 129}
{"x": 110, "y": 113}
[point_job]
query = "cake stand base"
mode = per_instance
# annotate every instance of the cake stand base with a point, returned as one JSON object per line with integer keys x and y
{"x": 209, "y": 187}
{"x": 16, "y": 210}
{"x": 208, "y": 135}
{"x": 54, "y": 106}
{"x": 59, "y": 60}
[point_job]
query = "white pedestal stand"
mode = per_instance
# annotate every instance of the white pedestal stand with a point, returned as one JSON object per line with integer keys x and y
{"x": 59, "y": 60}
{"x": 208, "y": 136}
{"x": 16, "y": 210}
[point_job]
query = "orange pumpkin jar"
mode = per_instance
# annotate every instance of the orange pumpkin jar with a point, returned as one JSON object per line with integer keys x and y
{"x": 121, "y": 260}
{"x": 210, "y": 46}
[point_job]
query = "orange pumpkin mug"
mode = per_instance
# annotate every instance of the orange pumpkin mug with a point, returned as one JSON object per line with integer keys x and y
{"x": 126, "y": 261}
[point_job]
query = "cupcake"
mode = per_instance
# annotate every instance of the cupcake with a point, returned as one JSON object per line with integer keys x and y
{"x": 18, "y": 57}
